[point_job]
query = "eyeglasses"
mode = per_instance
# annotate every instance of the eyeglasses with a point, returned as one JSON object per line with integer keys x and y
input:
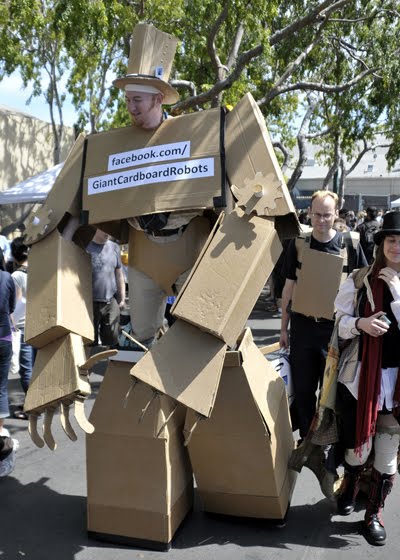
{"x": 325, "y": 217}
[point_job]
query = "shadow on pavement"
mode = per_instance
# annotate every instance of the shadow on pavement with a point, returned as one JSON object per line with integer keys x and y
{"x": 306, "y": 525}
{"x": 35, "y": 507}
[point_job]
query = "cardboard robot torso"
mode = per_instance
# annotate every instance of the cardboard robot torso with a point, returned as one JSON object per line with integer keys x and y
{"x": 131, "y": 172}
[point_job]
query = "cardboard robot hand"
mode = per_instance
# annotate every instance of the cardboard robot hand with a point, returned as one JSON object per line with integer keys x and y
{"x": 69, "y": 356}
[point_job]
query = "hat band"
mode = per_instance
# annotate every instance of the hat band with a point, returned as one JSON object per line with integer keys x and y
{"x": 142, "y": 88}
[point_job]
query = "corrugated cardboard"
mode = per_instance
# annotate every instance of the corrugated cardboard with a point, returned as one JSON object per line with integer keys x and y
{"x": 59, "y": 295}
{"x": 140, "y": 484}
{"x": 317, "y": 284}
{"x": 186, "y": 364}
{"x": 249, "y": 152}
{"x": 63, "y": 197}
{"x": 165, "y": 262}
{"x": 56, "y": 373}
{"x": 240, "y": 454}
{"x": 229, "y": 275}
{"x": 199, "y": 134}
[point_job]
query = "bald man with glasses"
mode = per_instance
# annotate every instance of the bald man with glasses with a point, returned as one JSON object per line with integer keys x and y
{"x": 309, "y": 335}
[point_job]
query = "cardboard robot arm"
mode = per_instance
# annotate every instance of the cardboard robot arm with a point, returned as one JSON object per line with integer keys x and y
{"x": 256, "y": 179}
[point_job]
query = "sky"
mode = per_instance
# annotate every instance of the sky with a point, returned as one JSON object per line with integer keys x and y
{"x": 14, "y": 96}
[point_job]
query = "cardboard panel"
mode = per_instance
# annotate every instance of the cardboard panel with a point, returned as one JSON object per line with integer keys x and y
{"x": 138, "y": 525}
{"x": 56, "y": 374}
{"x": 320, "y": 275}
{"x": 59, "y": 295}
{"x": 186, "y": 364}
{"x": 226, "y": 283}
{"x": 165, "y": 262}
{"x": 264, "y": 507}
{"x": 249, "y": 151}
{"x": 131, "y": 171}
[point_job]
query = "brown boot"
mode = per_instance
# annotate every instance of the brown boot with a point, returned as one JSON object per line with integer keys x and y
{"x": 349, "y": 489}
{"x": 380, "y": 487}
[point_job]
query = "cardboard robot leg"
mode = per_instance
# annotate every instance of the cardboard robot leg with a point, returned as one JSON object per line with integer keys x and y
{"x": 139, "y": 479}
{"x": 240, "y": 460}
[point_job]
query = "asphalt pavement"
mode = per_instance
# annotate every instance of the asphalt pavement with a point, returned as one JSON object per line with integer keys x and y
{"x": 43, "y": 506}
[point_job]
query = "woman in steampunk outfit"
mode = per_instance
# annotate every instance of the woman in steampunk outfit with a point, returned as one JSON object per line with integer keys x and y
{"x": 368, "y": 394}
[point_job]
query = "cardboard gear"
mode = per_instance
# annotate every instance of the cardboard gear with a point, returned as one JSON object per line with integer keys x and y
{"x": 60, "y": 377}
{"x": 165, "y": 262}
{"x": 251, "y": 161}
{"x": 150, "y": 61}
{"x": 240, "y": 459}
{"x": 139, "y": 479}
{"x": 65, "y": 196}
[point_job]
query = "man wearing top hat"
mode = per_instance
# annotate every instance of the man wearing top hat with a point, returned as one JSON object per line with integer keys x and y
{"x": 146, "y": 91}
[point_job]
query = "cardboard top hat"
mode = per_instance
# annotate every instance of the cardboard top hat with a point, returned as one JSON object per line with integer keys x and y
{"x": 390, "y": 226}
{"x": 150, "y": 61}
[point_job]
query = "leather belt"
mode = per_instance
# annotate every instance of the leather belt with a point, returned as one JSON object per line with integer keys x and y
{"x": 321, "y": 319}
{"x": 316, "y": 319}
{"x": 166, "y": 232}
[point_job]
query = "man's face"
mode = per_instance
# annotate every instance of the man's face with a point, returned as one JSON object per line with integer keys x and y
{"x": 323, "y": 214}
{"x": 143, "y": 108}
{"x": 101, "y": 237}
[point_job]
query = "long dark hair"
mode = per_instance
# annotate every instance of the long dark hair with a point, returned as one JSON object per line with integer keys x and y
{"x": 380, "y": 259}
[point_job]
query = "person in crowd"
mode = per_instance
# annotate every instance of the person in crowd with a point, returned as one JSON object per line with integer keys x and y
{"x": 5, "y": 247}
{"x": 108, "y": 288}
{"x": 8, "y": 445}
{"x": 351, "y": 220}
{"x": 368, "y": 396}
{"x": 146, "y": 95}
{"x": 7, "y": 306}
{"x": 367, "y": 230}
{"x": 362, "y": 214}
{"x": 19, "y": 252}
{"x": 340, "y": 225}
{"x": 309, "y": 335}
{"x": 304, "y": 217}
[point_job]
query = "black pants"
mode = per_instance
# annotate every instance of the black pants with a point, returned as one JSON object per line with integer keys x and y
{"x": 106, "y": 322}
{"x": 308, "y": 350}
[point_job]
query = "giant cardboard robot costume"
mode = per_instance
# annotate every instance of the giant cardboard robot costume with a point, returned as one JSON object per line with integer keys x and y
{"x": 141, "y": 489}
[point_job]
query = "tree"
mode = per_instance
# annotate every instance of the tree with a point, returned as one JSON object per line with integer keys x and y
{"x": 317, "y": 67}
{"x": 31, "y": 41}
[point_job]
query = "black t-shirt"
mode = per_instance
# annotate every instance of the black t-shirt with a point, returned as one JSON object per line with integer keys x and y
{"x": 333, "y": 246}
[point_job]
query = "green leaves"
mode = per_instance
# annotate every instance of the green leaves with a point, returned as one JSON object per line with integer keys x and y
{"x": 345, "y": 52}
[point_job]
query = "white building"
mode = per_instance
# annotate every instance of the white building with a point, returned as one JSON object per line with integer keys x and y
{"x": 370, "y": 184}
{"x": 26, "y": 148}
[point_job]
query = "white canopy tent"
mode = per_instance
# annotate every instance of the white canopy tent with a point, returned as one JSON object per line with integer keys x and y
{"x": 34, "y": 189}
{"x": 395, "y": 203}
